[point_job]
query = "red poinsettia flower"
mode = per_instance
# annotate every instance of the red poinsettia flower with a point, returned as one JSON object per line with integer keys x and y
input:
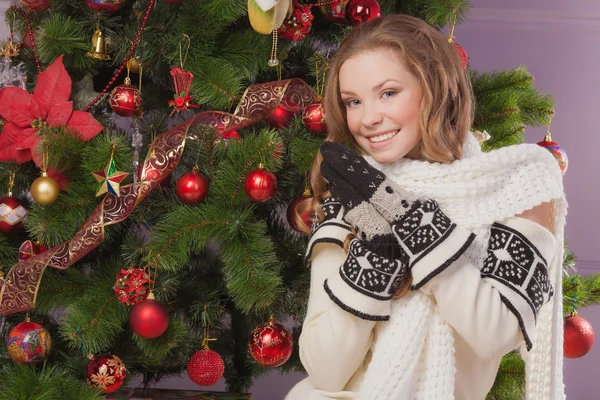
{"x": 25, "y": 114}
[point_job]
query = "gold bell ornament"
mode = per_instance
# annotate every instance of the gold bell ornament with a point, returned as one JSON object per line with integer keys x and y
{"x": 99, "y": 49}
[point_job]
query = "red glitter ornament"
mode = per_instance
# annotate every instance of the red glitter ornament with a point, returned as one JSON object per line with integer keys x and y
{"x": 464, "y": 59}
{"x": 191, "y": 187}
{"x": 579, "y": 336}
{"x": 12, "y": 215}
{"x": 106, "y": 372}
{"x": 271, "y": 344}
{"x": 29, "y": 249}
{"x": 35, "y": 5}
{"x": 205, "y": 367}
{"x": 132, "y": 285}
{"x": 358, "y": 11}
{"x": 280, "y": 118}
{"x": 148, "y": 318}
{"x": 313, "y": 118}
{"x": 126, "y": 100}
{"x": 260, "y": 185}
{"x": 28, "y": 343}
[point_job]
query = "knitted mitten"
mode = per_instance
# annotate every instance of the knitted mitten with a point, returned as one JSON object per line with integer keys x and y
{"x": 430, "y": 240}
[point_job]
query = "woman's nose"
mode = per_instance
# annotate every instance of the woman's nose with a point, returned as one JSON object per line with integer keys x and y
{"x": 371, "y": 115}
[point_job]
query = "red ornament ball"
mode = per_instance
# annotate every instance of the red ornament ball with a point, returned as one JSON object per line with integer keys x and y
{"x": 126, "y": 101}
{"x": 29, "y": 249}
{"x": 313, "y": 118}
{"x": 306, "y": 213}
{"x": 271, "y": 344}
{"x": 280, "y": 117}
{"x": 148, "y": 318}
{"x": 227, "y": 136}
{"x": 36, "y": 5}
{"x": 558, "y": 152}
{"x": 359, "y": 11}
{"x": 462, "y": 54}
{"x": 579, "y": 336}
{"x": 191, "y": 187}
{"x": 260, "y": 185}
{"x": 12, "y": 215}
{"x": 106, "y": 372}
{"x": 105, "y": 5}
{"x": 132, "y": 285}
{"x": 28, "y": 343}
{"x": 205, "y": 367}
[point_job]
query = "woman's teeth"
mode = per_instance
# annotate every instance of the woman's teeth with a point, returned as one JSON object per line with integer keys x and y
{"x": 381, "y": 138}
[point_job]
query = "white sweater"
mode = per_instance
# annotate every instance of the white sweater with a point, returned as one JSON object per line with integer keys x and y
{"x": 336, "y": 346}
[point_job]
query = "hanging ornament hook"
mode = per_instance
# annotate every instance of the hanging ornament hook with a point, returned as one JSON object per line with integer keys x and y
{"x": 182, "y": 58}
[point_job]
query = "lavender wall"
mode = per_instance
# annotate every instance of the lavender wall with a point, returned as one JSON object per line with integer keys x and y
{"x": 558, "y": 41}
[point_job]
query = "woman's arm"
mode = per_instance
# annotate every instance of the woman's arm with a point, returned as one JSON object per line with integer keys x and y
{"x": 494, "y": 308}
{"x": 333, "y": 343}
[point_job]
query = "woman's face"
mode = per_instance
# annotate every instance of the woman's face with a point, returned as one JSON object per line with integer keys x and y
{"x": 383, "y": 100}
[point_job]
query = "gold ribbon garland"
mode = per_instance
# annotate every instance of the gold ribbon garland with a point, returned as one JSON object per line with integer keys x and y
{"x": 21, "y": 284}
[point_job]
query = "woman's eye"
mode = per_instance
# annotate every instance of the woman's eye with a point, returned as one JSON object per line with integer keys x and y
{"x": 352, "y": 103}
{"x": 388, "y": 93}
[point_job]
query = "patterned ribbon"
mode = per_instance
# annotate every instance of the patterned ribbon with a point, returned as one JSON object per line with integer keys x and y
{"x": 19, "y": 289}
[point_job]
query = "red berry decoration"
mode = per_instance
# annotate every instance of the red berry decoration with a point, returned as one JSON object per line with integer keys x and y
{"x": 335, "y": 11}
{"x": 12, "y": 215}
{"x": 271, "y": 344}
{"x": 132, "y": 285}
{"x": 205, "y": 367}
{"x": 557, "y": 151}
{"x": 126, "y": 100}
{"x": 464, "y": 59}
{"x": 106, "y": 372}
{"x": 260, "y": 185}
{"x": 29, "y": 249}
{"x": 280, "y": 117}
{"x": 579, "y": 336}
{"x": 148, "y": 318}
{"x": 313, "y": 118}
{"x": 359, "y": 11}
{"x": 306, "y": 213}
{"x": 28, "y": 343}
{"x": 192, "y": 187}
{"x": 35, "y": 5}
{"x": 105, "y": 5}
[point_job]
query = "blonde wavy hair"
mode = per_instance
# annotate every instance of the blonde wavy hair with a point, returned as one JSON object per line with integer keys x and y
{"x": 447, "y": 106}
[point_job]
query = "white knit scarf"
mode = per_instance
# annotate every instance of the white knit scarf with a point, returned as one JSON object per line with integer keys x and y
{"x": 476, "y": 191}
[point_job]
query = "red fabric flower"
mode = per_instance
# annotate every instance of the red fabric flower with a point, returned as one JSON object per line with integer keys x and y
{"x": 298, "y": 25}
{"x": 132, "y": 285}
{"x": 25, "y": 114}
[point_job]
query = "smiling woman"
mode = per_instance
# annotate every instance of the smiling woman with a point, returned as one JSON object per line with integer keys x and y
{"x": 382, "y": 108}
{"x": 407, "y": 206}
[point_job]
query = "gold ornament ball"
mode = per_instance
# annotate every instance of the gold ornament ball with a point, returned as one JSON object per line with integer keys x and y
{"x": 44, "y": 190}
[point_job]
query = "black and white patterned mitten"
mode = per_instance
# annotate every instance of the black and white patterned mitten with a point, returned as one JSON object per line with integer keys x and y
{"x": 430, "y": 240}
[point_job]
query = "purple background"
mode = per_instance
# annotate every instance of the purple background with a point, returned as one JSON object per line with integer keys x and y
{"x": 558, "y": 41}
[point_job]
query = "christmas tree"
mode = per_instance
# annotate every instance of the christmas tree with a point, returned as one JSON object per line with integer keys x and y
{"x": 142, "y": 227}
